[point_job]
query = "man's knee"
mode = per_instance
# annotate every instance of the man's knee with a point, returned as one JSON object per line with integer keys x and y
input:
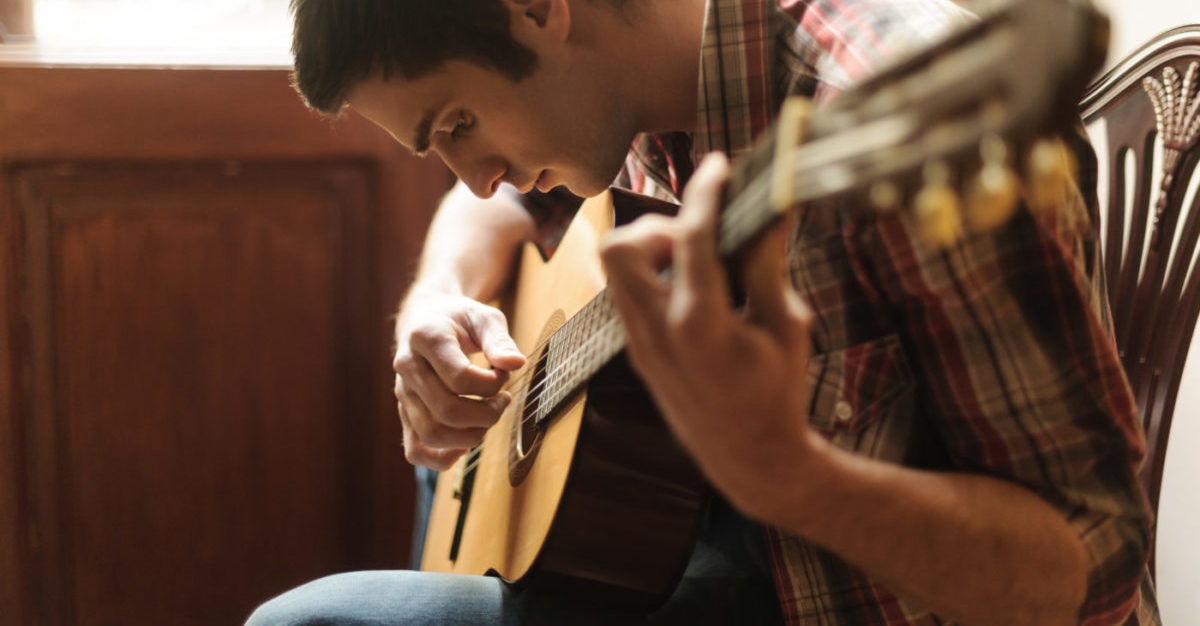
{"x": 317, "y": 603}
{"x": 392, "y": 597}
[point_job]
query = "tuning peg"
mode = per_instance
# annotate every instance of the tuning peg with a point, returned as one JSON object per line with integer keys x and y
{"x": 937, "y": 206}
{"x": 885, "y": 196}
{"x": 992, "y": 193}
{"x": 1052, "y": 171}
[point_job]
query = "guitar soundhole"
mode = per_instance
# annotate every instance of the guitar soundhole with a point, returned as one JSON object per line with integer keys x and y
{"x": 527, "y": 430}
{"x": 526, "y": 433}
{"x": 529, "y": 433}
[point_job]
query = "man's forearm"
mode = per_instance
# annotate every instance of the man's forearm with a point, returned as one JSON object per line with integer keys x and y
{"x": 469, "y": 249}
{"x": 971, "y": 548}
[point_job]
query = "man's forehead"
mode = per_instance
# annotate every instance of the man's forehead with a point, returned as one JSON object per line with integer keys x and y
{"x": 407, "y": 109}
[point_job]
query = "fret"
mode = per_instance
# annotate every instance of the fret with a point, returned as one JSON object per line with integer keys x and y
{"x": 577, "y": 350}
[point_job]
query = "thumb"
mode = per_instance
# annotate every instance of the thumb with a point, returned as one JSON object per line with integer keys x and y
{"x": 490, "y": 330}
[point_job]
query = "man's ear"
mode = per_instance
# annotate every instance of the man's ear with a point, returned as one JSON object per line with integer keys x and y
{"x": 542, "y": 18}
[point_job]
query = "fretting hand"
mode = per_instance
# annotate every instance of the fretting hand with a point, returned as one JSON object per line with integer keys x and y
{"x": 731, "y": 384}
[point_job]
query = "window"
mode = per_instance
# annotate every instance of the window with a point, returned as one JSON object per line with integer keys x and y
{"x": 157, "y": 32}
{"x": 16, "y": 20}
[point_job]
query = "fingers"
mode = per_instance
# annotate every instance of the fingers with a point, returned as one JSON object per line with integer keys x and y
{"x": 700, "y": 297}
{"x": 450, "y": 408}
{"x": 489, "y": 330}
{"x": 436, "y": 442}
{"x": 633, "y": 256}
{"x": 440, "y": 425}
{"x": 697, "y": 265}
{"x": 436, "y": 350}
{"x": 432, "y": 429}
{"x": 766, "y": 279}
{"x": 696, "y": 299}
{"x": 417, "y": 453}
{"x": 771, "y": 300}
{"x": 445, "y": 402}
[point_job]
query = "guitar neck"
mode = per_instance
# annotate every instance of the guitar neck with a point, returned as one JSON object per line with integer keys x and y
{"x": 576, "y": 351}
{"x": 595, "y": 335}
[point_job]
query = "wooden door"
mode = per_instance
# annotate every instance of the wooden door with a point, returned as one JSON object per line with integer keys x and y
{"x": 194, "y": 343}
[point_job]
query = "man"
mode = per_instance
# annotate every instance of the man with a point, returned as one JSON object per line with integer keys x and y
{"x": 944, "y": 436}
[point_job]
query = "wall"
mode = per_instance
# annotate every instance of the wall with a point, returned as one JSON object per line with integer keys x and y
{"x": 196, "y": 281}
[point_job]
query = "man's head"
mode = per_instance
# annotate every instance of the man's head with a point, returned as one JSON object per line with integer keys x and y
{"x": 339, "y": 43}
{"x": 530, "y": 92}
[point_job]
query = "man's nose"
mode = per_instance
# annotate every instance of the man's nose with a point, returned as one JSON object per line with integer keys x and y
{"x": 482, "y": 177}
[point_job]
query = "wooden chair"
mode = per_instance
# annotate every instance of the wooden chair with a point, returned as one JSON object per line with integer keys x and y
{"x": 1150, "y": 104}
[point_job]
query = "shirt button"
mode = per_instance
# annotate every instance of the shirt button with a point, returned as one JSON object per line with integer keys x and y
{"x": 843, "y": 411}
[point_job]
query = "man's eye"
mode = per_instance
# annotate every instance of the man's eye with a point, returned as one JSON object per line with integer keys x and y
{"x": 461, "y": 126}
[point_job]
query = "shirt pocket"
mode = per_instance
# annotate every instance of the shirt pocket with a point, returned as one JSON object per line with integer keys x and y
{"x": 863, "y": 394}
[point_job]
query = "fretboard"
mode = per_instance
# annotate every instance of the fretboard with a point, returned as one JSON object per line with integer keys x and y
{"x": 594, "y": 335}
{"x": 576, "y": 351}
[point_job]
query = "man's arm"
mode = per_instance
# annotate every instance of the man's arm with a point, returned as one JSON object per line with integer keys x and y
{"x": 972, "y": 548}
{"x": 471, "y": 244}
{"x": 445, "y": 402}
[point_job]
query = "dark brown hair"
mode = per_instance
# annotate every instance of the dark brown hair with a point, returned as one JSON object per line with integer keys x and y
{"x": 338, "y": 43}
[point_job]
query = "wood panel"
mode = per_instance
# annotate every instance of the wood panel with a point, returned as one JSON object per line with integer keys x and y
{"x": 14, "y": 592}
{"x": 200, "y": 342}
{"x": 198, "y": 294}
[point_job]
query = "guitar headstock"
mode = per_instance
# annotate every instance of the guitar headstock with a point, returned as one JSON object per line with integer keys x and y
{"x": 957, "y": 132}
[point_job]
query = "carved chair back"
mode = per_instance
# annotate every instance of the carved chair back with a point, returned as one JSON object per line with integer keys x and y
{"x": 1150, "y": 106}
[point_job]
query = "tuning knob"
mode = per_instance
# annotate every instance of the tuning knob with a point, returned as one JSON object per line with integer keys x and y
{"x": 884, "y": 196}
{"x": 937, "y": 207}
{"x": 1052, "y": 171}
{"x": 992, "y": 193}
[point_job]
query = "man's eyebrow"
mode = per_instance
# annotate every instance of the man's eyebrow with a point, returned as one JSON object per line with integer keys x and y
{"x": 424, "y": 128}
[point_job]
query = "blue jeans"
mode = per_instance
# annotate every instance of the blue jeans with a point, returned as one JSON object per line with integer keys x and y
{"x": 727, "y": 581}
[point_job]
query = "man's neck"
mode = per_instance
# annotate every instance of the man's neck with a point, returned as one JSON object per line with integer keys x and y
{"x": 661, "y": 42}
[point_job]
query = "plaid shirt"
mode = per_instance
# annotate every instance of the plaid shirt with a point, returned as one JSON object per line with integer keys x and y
{"x": 992, "y": 357}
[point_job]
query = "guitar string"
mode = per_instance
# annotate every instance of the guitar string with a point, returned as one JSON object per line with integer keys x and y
{"x": 736, "y": 221}
{"x": 732, "y": 221}
{"x": 535, "y": 395}
{"x": 537, "y": 398}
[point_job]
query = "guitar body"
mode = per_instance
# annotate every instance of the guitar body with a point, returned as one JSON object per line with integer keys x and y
{"x": 601, "y": 502}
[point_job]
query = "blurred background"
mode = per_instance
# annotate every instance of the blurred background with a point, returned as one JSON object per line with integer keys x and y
{"x": 198, "y": 278}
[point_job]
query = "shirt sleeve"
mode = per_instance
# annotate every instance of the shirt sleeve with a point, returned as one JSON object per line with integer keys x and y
{"x": 1017, "y": 370}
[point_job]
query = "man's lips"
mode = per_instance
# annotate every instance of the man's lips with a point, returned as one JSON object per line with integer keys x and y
{"x": 541, "y": 183}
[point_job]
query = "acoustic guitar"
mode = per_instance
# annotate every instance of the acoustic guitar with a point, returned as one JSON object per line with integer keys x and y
{"x": 580, "y": 487}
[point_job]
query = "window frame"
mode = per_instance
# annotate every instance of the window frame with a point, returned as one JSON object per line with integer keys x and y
{"x": 16, "y": 21}
{"x": 20, "y": 47}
